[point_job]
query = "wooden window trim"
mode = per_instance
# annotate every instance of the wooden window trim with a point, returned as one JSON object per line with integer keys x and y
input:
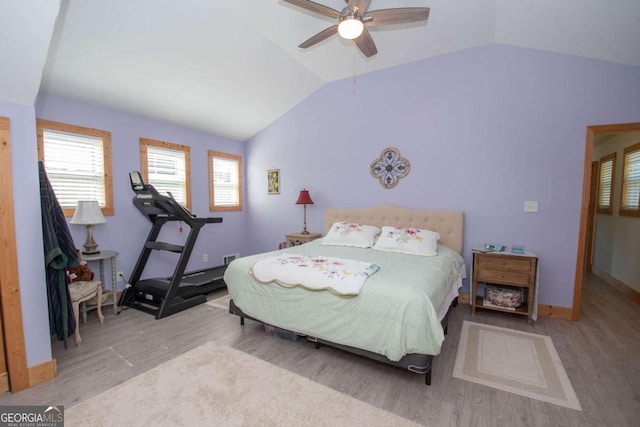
{"x": 144, "y": 161}
{"x": 42, "y": 124}
{"x": 608, "y": 210}
{"x": 236, "y": 157}
{"x": 624, "y": 211}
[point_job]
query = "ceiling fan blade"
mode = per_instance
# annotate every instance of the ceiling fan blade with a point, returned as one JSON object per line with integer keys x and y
{"x": 324, "y": 34}
{"x": 360, "y": 5}
{"x": 400, "y": 15}
{"x": 315, "y": 7}
{"x": 365, "y": 44}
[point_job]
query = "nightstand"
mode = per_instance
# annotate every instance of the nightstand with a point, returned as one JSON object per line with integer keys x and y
{"x": 509, "y": 270}
{"x": 108, "y": 298}
{"x": 297, "y": 239}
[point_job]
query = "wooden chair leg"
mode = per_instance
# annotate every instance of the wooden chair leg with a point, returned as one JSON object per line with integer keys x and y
{"x": 76, "y": 313}
{"x": 99, "y": 304}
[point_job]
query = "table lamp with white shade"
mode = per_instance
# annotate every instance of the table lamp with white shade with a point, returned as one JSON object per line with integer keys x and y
{"x": 88, "y": 213}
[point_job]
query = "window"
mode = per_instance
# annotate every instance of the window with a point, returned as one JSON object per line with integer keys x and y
{"x": 630, "y": 201}
{"x": 225, "y": 181}
{"x": 78, "y": 164}
{"x": 167, "y": 167}
{"x": 605, "y": 183}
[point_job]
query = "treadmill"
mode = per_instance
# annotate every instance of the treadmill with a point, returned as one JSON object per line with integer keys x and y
{"x": 166, "y": 296}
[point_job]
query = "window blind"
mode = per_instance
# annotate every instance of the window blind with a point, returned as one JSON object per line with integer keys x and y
{"x": 606, "y": 176}
{"x": 225, "y": 182}
{"x": 75, "y": 167}
{"x": 167, "y": 172}
{"x": 631, "y": 180}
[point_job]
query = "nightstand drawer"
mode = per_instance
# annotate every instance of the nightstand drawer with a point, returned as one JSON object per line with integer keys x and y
{"x": 507, "y": 263}
{"x": 505, "y": 277}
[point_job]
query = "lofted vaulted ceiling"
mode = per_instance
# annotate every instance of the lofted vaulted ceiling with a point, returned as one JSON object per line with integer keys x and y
{"x": 232, "y": 67}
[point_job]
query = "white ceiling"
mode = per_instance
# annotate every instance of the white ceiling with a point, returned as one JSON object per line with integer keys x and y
{"x": 231, "y": 67}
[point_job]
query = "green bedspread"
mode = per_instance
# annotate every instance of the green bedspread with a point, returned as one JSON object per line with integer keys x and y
{"x": 395, "y": 314}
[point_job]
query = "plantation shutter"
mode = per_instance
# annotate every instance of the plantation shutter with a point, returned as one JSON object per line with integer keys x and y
{"x": 631, "y": 181}
{"x": 75, "y": 167}
{"x": 225, "y": 182}
{"x": 606, "y": 184}
{"x": 167, "y": 172}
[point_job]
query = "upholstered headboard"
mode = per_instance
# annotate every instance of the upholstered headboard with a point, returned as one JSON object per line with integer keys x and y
{"x": 449, "y": 224}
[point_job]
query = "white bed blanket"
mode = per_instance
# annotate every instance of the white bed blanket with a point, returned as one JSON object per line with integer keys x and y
{"x": 337, "y": 275}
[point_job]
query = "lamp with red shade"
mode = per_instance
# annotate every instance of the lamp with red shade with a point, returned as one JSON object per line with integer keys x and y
{"x": 304, "y": 199}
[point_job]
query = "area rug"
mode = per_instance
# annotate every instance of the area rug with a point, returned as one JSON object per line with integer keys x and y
{"x": 215, "y": 385}
{"x": 222, "y": 302}
{"x": 514, "y": 361}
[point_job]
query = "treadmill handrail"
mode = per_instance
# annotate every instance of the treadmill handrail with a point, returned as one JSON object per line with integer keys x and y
{"x": 211, "y": 220}
{"x": 157, "y": 205}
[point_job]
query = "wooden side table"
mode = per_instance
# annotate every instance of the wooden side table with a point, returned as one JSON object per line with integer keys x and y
{"x": 511, "y": 270}
{"x": 101, "y": 256}
{"x": 297, "y": 239}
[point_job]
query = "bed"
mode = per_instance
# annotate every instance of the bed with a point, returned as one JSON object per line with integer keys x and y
{"x": 399, "y": 317}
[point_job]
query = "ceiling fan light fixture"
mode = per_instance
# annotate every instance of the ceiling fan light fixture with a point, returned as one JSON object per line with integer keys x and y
{"x": 350, "y": 27}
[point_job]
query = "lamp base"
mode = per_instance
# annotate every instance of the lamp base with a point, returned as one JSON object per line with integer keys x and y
{"x": 304, "y": 231}
{"x": 90, "y": 246}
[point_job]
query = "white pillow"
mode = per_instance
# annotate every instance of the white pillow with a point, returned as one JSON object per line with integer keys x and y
{"x": 351, "y": 234}
{"x": 412, "y": 241}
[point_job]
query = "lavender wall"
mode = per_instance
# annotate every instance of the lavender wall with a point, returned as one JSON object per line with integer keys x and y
{"x": 484, "y": 129}
{"x": 126, "y": 231}
{"x": 26, "y": 204}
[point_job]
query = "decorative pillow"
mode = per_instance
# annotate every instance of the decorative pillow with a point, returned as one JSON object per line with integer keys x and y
{"x": 408, "y": 241}
{"x": 351, "y": 234}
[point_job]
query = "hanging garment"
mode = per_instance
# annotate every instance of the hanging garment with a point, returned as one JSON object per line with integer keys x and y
{"x": 59, "y": 253}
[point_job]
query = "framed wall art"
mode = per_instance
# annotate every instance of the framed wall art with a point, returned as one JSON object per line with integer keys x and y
{"x": 390, "y": 167}
{"x": 273, "y": 181}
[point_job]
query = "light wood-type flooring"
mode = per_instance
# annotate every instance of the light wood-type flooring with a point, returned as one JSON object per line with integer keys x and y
{"x": 601, "y": 354}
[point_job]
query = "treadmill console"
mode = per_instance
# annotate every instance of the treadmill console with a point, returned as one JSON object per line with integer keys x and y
{"x": 151, "y": 203}
{"x": 136, "y": 181}
{"x": 138, "y": 185}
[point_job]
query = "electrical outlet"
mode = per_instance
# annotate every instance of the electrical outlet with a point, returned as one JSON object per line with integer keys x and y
{"x": 121, "y": 276}
{"x": 205, "y": 258}
{"x": 531, "y": 206}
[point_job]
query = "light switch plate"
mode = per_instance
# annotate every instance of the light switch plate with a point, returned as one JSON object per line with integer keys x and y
{"x": 531, "y": 206}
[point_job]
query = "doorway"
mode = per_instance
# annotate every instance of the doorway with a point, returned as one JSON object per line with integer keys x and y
{"x": 592, "y": 132}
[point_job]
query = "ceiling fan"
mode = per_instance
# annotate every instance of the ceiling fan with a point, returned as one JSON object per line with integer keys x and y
{"x": 354, "y": 19}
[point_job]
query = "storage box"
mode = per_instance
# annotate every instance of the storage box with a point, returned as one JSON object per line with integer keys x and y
{"x": 269, "y": 330}
{"x": 509, "y": 298}
{"x": 281, "y": 333}
{"x": 287, "y": 335}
